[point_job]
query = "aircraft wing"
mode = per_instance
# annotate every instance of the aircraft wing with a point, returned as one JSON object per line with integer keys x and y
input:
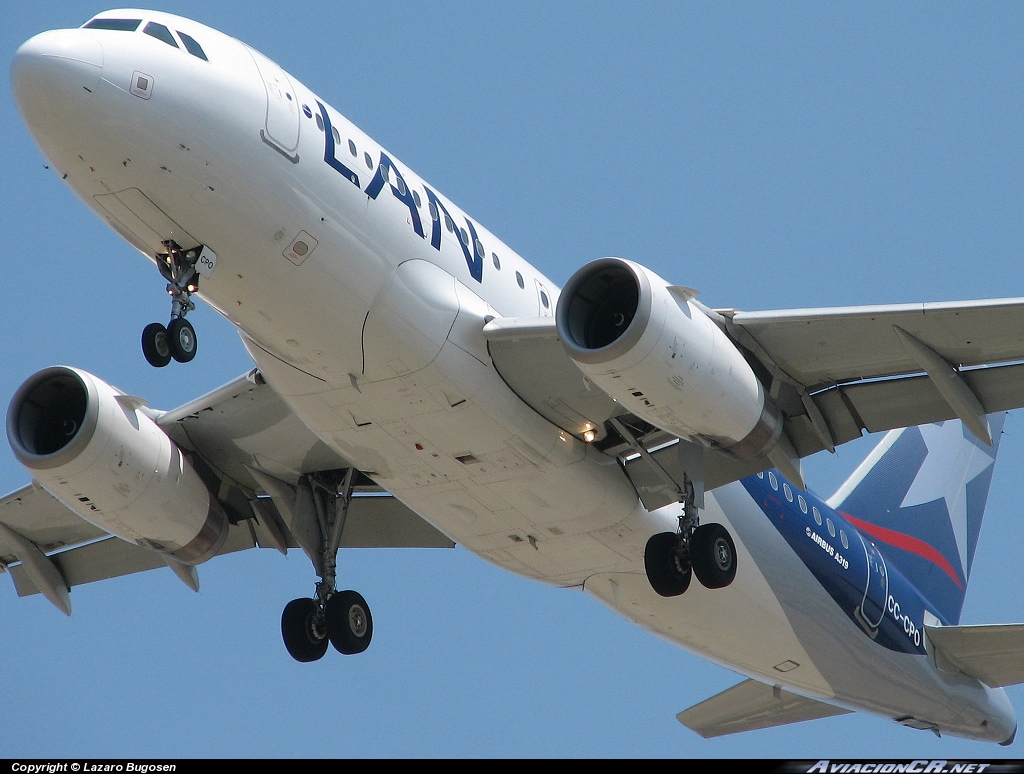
{"x": 821, "y": 347}
{"x": 835, "y": 373}
{"x": 240, "y": 438}
{"x": 752, "y": 705}
{"x": 874, "y": 368}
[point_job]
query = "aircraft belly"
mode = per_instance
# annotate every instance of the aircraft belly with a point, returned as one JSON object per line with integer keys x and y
{"x": 455, "y": 445}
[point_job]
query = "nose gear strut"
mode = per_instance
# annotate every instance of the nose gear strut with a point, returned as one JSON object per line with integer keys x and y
{"x": 181, "y": 268}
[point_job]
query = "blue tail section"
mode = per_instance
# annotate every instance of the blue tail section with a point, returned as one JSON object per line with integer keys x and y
{"x": 920, "y": 496}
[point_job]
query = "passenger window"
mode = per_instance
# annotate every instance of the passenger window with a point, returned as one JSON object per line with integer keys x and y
{"x": 831, "y": 527}
{"x": 788, "y": 492}
{"x": 803, "y": 503}
{"x": 497, "y": 263}
{"x": 160, "y": 32}
{"x": 842, "y": 536}
{"x": 368, "y": 160}
{"x": 416, "y": 198}
{"x": 319, "y": 122}
{"x": 478, "y": 246}
{"x": 544, "y": 299}
{"x": 519, "y": 280}
{"x": 434, "y": 215}
{"x": 401, "y": 187}
{"x": 192, "y": 46}
{"x": 464, "y": 237}
{"x": 448, "y": 222}
{"x": 817, "y": 515}
{"x": 336, "y": 135}
{"x": 119, "y": 25}
{"x": 773, "y": 481}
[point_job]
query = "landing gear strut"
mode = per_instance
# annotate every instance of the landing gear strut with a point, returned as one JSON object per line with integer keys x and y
{"x": 707, "y": 551}
{"x": 178, "y": 339}
{"x": 341, "y": 618}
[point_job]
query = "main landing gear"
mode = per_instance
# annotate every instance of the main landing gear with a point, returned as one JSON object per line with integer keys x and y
{"x": 340, "y": 618}
{"x": 707, "y": 551}
{"x": 178, "y": 339}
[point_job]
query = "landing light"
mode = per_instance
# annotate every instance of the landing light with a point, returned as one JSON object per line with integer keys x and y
{"x": 589, "y": 436}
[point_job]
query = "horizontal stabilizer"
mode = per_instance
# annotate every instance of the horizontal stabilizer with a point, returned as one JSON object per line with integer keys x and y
{"x": 752, "y": 705}
{"x": 991, "y": 653}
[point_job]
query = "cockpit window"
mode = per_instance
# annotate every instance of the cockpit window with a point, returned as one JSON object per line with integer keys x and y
{"x": 192, "y": 46}
{"x": 160, "y": 32}
{"x": 121, "y": 25}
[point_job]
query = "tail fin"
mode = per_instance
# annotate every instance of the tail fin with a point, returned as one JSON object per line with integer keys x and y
{"x": 921, "y": 495}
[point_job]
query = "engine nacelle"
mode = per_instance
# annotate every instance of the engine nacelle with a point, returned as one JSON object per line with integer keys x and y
{"x": 646, "y": 345}
{"x": 90, "y": 447}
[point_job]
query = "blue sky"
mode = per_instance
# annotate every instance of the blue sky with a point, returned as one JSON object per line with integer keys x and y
{"x": 771, "y": 155}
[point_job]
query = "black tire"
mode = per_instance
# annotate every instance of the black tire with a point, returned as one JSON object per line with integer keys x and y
{"x": 299, "y": 631}
{"x": 349, "y": 623}
{"x": 155, "y": 345}
{"x": 713, "y": 555}
{"x": 667, "y": 565}
{"x": 182, "y": 339}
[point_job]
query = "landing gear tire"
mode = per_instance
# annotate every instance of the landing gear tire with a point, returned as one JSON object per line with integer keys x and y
{"x": 155, "y": 346}
{"x": 349, "y": 623}
{"x": 713, "y": 555}
{"x": 668, "y": 566}
{"x": 302, "y": 632}
{"x": 182, "y": 339}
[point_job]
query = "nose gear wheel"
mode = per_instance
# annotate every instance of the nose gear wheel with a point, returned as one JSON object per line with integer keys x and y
{"x": 178, "y": 339}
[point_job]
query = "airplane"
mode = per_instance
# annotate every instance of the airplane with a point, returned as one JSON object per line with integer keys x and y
{"x": 433, "y": 389}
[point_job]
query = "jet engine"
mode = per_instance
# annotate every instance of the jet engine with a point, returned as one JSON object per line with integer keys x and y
{"x": 91, "y": 447}
{"x": 650, "y": 348}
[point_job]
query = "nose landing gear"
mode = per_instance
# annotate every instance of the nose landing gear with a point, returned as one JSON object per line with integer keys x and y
{"x": 181, "y": 268}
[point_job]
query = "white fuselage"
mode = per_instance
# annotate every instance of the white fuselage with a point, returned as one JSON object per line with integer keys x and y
{"x": 373, "y": 337}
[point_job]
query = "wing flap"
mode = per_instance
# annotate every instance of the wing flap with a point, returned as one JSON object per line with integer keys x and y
{"x": 373, "y": 522}
{"x": 993, "y": 653}
{"x": 825, "y": 346}
{"x": 752, "y": 705}
{"x": 112, "y": 557}
{"x": 887, "y": 404}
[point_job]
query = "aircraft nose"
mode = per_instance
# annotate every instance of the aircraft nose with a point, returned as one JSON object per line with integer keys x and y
{"x": 54, "y": 71}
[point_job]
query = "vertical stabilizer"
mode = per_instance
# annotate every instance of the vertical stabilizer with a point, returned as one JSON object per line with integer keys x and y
{"x": 920, "y": 495}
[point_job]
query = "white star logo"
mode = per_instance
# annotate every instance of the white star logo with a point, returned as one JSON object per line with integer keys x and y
{"x": 951, "y": 463}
